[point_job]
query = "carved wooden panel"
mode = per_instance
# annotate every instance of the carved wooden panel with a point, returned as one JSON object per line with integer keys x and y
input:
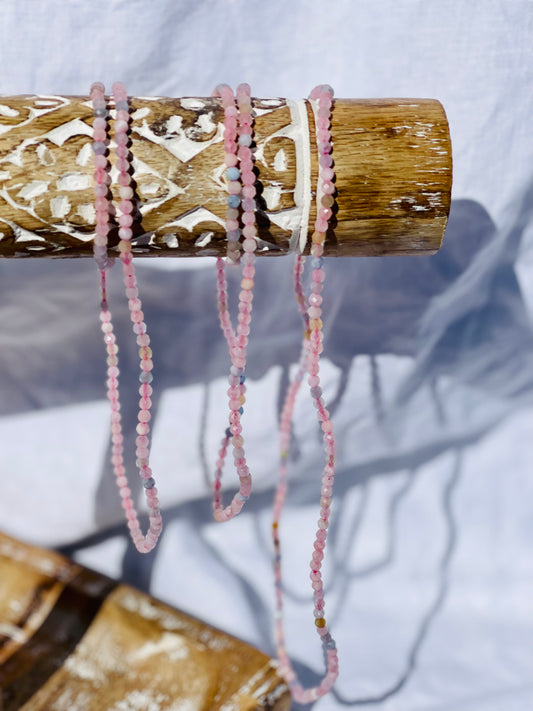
{"x": 392, "y": 162}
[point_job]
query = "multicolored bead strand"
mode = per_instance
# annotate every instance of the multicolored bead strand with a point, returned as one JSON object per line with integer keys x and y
{"x": 238, "y": 132}
{"x": 143, "y": 543}
{"x": 310, "y": 364}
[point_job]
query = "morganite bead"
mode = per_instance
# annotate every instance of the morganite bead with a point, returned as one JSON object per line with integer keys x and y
{"x": 125, "y": 192}
{"x": 125, "y": 220}
{"x": 231, "y": 159}
{"x": 249, "y": 245}
{"x": 250, "y": 231}
{"x": 321, "y": 225}
{"x": 125, "y": 206}
{"x": 145, "y": 390}
{"x": 248, "y": 178}
{"x": 249, "y": 191}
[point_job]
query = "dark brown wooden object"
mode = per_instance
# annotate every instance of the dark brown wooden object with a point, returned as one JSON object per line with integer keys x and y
{"x": 72, "y": 639}
{"x": 392, "y": 161}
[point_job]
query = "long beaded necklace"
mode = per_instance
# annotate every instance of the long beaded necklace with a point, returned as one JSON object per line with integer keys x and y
{"x": 310, "y": 364}
{"x": 238, "y": 132}
{"x": 103, "y": 206}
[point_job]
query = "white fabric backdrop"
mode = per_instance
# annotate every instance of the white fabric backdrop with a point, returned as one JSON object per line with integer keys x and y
{"x": 429, "y": 361}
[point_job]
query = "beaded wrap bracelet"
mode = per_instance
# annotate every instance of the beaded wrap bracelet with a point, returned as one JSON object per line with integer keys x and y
{"x": 310, "y": 364}
{"x": 238, "y": 138}
{"x": 104, "y": 208}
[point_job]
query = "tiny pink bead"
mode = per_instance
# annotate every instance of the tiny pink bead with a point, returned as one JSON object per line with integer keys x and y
{"x": 231, "y": 160}
{"x": 321, "y": 225}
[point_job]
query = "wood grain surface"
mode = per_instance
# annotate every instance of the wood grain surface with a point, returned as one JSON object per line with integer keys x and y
{"x": 392, "y": 162}
{"x": 74, "y": 640}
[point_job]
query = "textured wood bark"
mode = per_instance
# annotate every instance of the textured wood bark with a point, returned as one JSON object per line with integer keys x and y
{"x": 392, "y": 161}
{"x": 73, "y": 640}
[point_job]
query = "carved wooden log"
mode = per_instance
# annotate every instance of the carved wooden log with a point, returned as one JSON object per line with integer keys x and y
{"x": 71, "y": 638}
{"x": 392, "y": 162}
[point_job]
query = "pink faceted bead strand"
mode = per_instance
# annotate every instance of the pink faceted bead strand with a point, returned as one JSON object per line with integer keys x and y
{"x": 238, "y": 138}
{"x": 143, "y": 543}
{"x": 310, "y": 364}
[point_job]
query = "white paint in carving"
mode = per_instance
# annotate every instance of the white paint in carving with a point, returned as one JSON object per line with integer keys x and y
{"x": 8, "y": 111}
{"x": 2, "y": 235}
{"x": 59, "y": 206}
{"x": 45, "y": 155}
{"x": 171, "y": 240}
{"x": 85, "y": 154}
{"x": 284, "y": 219}
{"x": 168, "y": 187}
{"x": 33, "y": 189}
{"x": 13, "y": 632}
{"x": 87, "y": 212}
{"x": 179, "y": 145}
{"x": 15, "y": 156}
{"x": 140, "y": 113}
{"x": 204, "y": 239}
{"x": 206, "y": 123}
{"x": 192, "y": 104}
{"x": 274, "y": 103}
{"x": 267, "y": 106}
{"x": 45, "y": 102}
{"x": 174, "y": 124}
{"x": 5, "y": 175}
{"x": 74, "y": 181}
{"x": 218, "y": 176}
{"x": 299, "y": 131}
{"x": 272, "y": 195}
{"x": 280, "y": 160}
{"x": 22, "y": 235}
{"x": 33, "y": 113}
{"x": 149, "y": 188}
{"x": 195, "y": 217}
{"x": 29, "y": 209}
{"x": 172, "y": 646}
{"x": 62, "y": 133}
